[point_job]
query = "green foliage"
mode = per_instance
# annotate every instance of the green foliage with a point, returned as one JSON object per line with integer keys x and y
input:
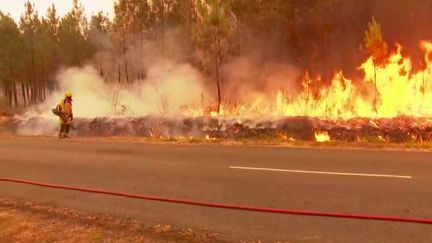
{"x": 100, "y": 23}
{"x": 214, "y": 35}
{"x": 52, "y": 21}
{"x": 132, "y": 17}
{"x": 74, "y": 48}
{"x": 214, "y": 31}
{"x": 10, "y": 45}
{"x": 99, "y": 31}
{"x": 10, "y": 53}
{"x": 212, "y": 18}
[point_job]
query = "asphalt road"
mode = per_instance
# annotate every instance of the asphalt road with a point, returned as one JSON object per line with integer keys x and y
{"x": 351, "y": 181}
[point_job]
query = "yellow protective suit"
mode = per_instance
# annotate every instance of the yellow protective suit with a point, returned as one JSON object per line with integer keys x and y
{"x": 65, "y": 107}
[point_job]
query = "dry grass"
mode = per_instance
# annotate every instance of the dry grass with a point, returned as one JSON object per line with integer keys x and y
{"x": 30, "y": 222}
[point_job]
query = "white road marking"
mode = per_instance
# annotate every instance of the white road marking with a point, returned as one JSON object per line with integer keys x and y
{"x": 321, "y": 172}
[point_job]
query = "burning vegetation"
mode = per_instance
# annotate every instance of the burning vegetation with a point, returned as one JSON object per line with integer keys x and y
{"x": 288, "y": 129}
{"x": 224, "y": 69}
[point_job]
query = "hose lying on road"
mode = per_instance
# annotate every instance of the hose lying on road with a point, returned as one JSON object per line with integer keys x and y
{"x": 221, "y": 205}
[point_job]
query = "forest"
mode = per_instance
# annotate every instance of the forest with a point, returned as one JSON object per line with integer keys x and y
{"x": 317, "y": 37}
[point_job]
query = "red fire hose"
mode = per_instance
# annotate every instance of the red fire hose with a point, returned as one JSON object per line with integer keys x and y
{"x": 221, "y": 205}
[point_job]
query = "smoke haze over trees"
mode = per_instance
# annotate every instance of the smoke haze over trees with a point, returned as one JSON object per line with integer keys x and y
{"x": 233, "y": 43}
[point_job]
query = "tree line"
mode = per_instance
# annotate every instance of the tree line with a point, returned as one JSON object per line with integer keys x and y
{"x": 211, "y": 32}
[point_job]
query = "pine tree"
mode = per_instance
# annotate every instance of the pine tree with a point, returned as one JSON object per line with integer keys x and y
{"x": 378, "y": 49}
{"x": 213, "y": 34}
{"x": 29, "y": 25}
{"x": 100, "y": 26}
{"x": 73, "y": 28}
{"x": 11, "y": 52}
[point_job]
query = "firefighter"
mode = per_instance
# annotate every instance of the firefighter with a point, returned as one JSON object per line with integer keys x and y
{"x": 64, "y": 111}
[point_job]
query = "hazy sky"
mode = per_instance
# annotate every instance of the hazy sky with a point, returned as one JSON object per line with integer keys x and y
{"x": 16, "y": 7}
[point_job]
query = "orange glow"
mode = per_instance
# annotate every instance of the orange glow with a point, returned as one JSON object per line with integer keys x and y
{"x": 399, "y": 91}
{"x": 384, "y": 91}
{"x": 322, "y": 137}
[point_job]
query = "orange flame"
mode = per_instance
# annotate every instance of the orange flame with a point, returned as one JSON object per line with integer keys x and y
{"x": 387, "y": 90}
{"x": 398, "y": 91}
{"x": 322, "y": 137}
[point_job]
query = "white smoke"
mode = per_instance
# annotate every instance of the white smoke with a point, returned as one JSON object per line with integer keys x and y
{"x": 168, "y": 89}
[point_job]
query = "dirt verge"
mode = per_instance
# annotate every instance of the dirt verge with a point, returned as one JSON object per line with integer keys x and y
{"x": 33, "y": 222}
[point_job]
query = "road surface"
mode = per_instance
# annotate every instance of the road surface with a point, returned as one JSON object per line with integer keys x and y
{"x": 351, "y": 181}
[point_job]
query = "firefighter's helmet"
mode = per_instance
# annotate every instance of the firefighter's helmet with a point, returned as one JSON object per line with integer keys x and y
{"x": 68, "y": 94}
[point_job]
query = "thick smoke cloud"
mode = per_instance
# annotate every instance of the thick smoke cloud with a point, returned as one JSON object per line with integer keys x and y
{"x": 168, "y": 89}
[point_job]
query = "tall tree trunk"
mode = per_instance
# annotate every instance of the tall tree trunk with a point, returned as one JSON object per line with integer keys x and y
{"x": 23, "y": 93}
{"x": 15, "y": 94}
{"x": 6, "y": 92}
{"x": 43, "y": 91}
{"x": 125, "y": 61}
{"x": 375, "y": 101}
{"x": 140, "y": 60}
{"x": 9, "y": 94}
{"x": 163, "y": 29}
{"x": 218, "y": 86}
{"x": 326, "y": 71}
{"x": 34, "y": 93}
{"x": 119, "y": 72}
{"x": 101, "y": 72}
{"x": 27, "y": 88}
{"x": 218, "y": 59}
{"x": 44, "y": 82}
{"x": 33, "y": 74}
{"x": 126, "y": 71}
{"x": 238, "y": 36}
{"x": 40, "y": 91}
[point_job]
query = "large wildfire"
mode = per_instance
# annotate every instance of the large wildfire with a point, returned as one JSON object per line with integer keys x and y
{"x": 393, "y": 89}
{"x": 387, "y": 91}
{"x": 390, "y": 103}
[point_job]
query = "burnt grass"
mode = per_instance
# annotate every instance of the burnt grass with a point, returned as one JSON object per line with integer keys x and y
{"x": 384, "y": 130}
